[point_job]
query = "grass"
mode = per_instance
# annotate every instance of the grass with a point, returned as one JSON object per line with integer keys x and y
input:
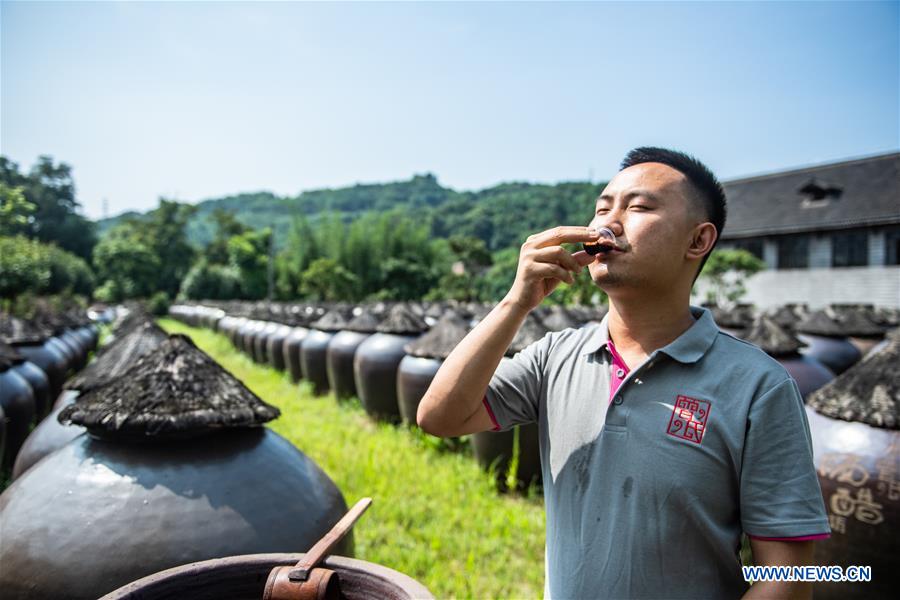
{"x": 436, "y": 515}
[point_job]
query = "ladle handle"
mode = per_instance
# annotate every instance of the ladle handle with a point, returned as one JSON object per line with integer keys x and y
{"x": 323, "y": 547}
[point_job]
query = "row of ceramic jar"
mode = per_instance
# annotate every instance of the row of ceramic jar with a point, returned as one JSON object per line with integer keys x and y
{"x": 32, "y": 377}
{"x": 371, "y": 366}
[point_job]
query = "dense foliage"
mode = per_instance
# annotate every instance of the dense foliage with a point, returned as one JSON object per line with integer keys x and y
{"x": 30, "y": 267}
{"x": 403, "y": 240}
{"x": 49, "y": 212}
{"x": 143, "y": 255}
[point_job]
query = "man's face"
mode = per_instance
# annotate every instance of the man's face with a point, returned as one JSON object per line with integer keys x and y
{"x": 649, "y": 208}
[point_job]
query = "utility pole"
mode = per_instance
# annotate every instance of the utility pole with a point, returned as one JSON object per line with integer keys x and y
{"x": 271, "y": 265}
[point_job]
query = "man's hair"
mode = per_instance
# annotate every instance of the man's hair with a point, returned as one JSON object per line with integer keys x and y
{"x": 706, "y": 187}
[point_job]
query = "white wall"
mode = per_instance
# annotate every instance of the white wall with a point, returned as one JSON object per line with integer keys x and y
{"x": 819, "y": 287}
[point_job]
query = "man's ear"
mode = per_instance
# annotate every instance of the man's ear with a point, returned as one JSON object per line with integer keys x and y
{"x": 702, "y": 240}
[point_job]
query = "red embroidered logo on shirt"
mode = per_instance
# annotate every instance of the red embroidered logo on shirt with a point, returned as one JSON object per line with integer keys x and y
{"x": 689, "y": 418}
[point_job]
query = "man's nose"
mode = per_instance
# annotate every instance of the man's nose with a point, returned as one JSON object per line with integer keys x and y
{"x": 613, "y": 220}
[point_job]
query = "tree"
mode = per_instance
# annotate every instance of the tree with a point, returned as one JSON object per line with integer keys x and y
{"x": 15, "y": 211}
{"x": 726, "y": 271}
{"x": 31, "y": 267}
{"x": 249, "y": 254}
{"x": 126, "y": 265}
{"x": 163, "y": 232}
{"x": 211, "y": 282}
{"x": 227, "y": 226}
{"x": 465, "y": 282}
{"x": 326, "y": 279}
{"x": 50, "y": 188}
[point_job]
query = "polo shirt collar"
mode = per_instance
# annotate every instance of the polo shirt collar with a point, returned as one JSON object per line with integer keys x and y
{"x": 689, "y": 347}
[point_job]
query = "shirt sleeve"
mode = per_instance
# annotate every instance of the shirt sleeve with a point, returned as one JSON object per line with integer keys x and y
{"x": 780, "y": 493}
{"x": 513, "y": 394}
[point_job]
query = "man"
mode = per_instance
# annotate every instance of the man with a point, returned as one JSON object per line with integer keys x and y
{"x": 662, "y": 438}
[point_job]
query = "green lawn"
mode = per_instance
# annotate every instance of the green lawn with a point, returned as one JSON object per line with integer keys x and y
{"x": 436, "y": 516}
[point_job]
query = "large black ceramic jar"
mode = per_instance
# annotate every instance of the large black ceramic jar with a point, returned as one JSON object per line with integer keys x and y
{"x": 79, "y": 347}
{"x": 48, "y": 358}
{"x": 36, "y": 378}
{"x": 341, "y": 350}
{"x": 735, "y": 320}
{"x": 2, "y": 434}
{"x": 40, "y": 386}
{"x": 247, "y": 333}
{"x": 496, "y": 448}
{"x": 377, "y": 360}
{"x": 558, "y": 318}
{"x": 855, "y": 426}
{"x": 292, "y": 351}
{"x": 424, "y": 357}
{"x": 261, "y": 343}
{"x": 67, "y": 349}
{"x": 825, "y": 340}
{"x": 176, "y": 469}
{"x": 47, "y": 437}
{"x": 784, "y": 347}
{"x": 243, "y": 332}
{"x": 858, "y": 322}
{"x": 17, "y": 401}
{"x": 114, "y": 361}
{"x": 275, "y": 346}
{"x": 233, "y": 328}
{"x": 244, "y": 578}
{"x": 314, "y": 349}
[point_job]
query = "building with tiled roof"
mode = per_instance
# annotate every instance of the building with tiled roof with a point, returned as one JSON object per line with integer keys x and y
{"x": 827, "y": 233}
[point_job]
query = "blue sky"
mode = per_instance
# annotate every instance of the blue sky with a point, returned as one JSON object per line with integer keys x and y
{"x": 196, "y": 100}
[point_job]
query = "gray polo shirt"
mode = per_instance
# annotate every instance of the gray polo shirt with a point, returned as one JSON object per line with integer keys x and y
{"x": 647, "y": 496}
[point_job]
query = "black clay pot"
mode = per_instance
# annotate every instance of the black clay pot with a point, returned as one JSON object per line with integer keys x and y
{"x": 339, "y": 362}
{"x": 222, "y": 325}
{"x": 858, "y": 466}
{"x": 836, "y": 353}
{"x": 494, "y": 449}
{"x": 313, "y": 359}
{"x": 87, "y": 340}
{"x": 375, "y": 372}
{"x": 261, "y": 343}
{"x": 2, "y": 434}
{"x": 96, "y": 515}
{"x": 40, "y": 386}
{"x": 94, "y": 332}
{"x": 809, "y": 373}
{"x": 243, "y": 333}
{"x": 49, "y": 359}
{"x": 275, "y": 346}
{"x": 255, "y": 336}
{"x": 865, "y": 344}
{"x": 49, "y": 436}
{"x": 414, "y": 375}
{"x": 230, "y": 328}
{"x": 292, "y": 349}
{"x": 244, "y": 577}
{"x": 66, "y": 349}
{"x": 79, "y": 345}
{"x": 17, "y": 402}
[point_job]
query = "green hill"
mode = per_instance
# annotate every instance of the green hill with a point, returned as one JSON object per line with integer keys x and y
{"x": 502, "y": 216}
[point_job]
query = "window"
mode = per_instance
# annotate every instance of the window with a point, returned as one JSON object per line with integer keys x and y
{"x": 754, "y": 247}
{"x": 850, "y": 249}
{"x": 793, "y": 252}
{"x": 892, "y": 247}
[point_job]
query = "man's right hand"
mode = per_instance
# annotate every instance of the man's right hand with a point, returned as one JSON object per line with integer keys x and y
{"x": 544, "y": 263}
